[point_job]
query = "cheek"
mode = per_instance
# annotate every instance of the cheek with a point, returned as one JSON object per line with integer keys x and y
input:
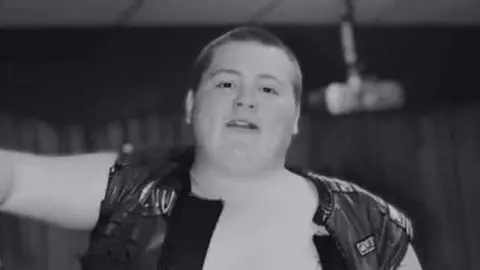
{"x": 281, "y": 120}
{"x": 278, "y": 130}
{"x": 208, "y": 117}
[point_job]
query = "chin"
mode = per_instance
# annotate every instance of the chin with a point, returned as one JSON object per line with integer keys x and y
{"x": 245, "y": 169}
{"x": 248, "y": 161}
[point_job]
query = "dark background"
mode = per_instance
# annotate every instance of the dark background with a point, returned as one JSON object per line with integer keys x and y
{"x": 425, "y": 157}
{"x": 81, "y": 72}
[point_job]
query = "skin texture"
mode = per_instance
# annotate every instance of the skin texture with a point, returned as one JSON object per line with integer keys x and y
{"x": 245, "y": 80}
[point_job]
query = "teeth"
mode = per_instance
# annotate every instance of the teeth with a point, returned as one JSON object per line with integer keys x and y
{"x": 241, "y": 123}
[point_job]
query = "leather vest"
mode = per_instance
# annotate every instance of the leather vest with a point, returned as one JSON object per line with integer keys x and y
{"x": 356, "y": 229}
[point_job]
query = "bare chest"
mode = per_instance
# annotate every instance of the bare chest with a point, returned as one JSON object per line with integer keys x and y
{"x": 269, "y": 229}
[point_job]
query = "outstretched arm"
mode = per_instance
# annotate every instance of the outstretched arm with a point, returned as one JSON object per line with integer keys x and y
{"x": 63, "y": 190}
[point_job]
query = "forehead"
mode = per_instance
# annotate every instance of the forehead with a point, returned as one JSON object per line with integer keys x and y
{"x": 252, "y": 58}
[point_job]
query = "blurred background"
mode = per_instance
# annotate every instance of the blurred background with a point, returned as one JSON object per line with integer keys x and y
{"x": 85, "y": 76}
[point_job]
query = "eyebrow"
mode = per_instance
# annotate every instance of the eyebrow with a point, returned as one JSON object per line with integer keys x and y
{"x": 235, "y": 72}
{"x": 268, "y": 76}
{"x": 214, "y": 73}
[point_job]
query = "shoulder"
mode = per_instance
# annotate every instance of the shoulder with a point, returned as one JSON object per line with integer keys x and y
{"x": 146, "y": 157}
{"x": 151, "y": 159}
{"x": 352, "y": 207}
{"x": 140, "y": 170}
{"x": 357, "y": 197}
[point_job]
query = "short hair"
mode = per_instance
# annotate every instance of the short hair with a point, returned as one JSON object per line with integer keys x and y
{"x": 244, "y": 34}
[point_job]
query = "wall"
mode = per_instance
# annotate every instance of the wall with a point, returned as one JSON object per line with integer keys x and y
{"x": 426, "y": 163}
{"x": 90, "y": 76}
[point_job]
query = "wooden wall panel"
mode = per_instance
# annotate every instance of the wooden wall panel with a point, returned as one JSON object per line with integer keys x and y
{"x": 425, "y": 163}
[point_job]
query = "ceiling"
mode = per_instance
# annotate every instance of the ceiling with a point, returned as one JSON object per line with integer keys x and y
{"x": 28, "y": 13}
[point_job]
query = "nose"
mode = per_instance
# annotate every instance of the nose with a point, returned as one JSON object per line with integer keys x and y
{"x": 245, "y": 99}
{"x": 249, "y": 105}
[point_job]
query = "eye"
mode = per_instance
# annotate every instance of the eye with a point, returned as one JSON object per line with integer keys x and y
{"x": 269, "y": 90}
{"x": 225, "y": 85}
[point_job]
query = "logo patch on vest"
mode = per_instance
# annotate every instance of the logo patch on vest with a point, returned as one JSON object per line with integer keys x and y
{"x": 167, "y": 200}
{"x": 366, "y": 246}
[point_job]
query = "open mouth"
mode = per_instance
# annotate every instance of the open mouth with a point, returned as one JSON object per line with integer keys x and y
{"x": 242, "y": 124}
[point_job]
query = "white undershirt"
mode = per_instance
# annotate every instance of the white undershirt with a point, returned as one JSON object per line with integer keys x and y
{"x": 264, "y": 225}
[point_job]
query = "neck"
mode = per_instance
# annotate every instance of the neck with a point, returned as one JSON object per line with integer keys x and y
{"x": 205, "y": 168}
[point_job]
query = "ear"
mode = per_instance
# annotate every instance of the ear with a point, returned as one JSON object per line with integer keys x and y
{"x": 189, "y": 102}
{"x": 296, "y": 123}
